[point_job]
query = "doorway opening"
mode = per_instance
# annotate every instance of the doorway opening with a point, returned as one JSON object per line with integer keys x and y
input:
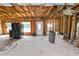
{"x": 39, "y": 28}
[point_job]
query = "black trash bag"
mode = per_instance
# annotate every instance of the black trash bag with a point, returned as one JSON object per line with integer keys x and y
{"x": 52, "y": 37}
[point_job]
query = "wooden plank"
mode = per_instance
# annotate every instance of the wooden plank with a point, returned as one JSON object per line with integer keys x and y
{"x": 4, "y": 10}
{"x": 69, "y": 28}
{"x": 31, "y": 10}
{"x": 49, "y": 10}
{"x": 4, "y": 28}
{"x": 58, "y": 10}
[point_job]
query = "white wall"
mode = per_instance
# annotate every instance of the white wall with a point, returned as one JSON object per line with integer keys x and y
{"x": 0, "y": 27}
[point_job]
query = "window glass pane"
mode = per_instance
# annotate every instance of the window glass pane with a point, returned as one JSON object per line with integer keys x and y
{"x": 8, "y": 26}
{"x": 0, "y": 27}
{"x": 49, "y": 26}
{"x": 39, "y": 27}
{"x": 26, "y": 26}
{"x": 77, "y": 27}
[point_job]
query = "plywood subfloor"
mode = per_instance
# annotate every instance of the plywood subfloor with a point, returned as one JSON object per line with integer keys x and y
{"x": 39, "y": 46}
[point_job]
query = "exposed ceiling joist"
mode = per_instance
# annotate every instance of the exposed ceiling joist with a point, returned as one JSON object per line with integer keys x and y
{"x": 49, "y": 11}
{"x": 5, "y": 10}
{"x": 58, "y": 10}
{"x": 75, "y": 5}
{"x": 15, "y": 8}
{"x": 41, "y": 6}
{"x": 23, "y": 8}
{"x": 31, "y": 10}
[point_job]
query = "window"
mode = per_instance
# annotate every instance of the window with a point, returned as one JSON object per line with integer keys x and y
{"x": 77, "y": 27}
{"x": 50, "y": 26}
{"x": 0, "y": 27}
{"x": 26, "y": 26}
{"x": 8, "y": 26}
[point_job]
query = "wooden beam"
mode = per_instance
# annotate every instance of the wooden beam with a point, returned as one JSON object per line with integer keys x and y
{"x": 4, "y": 10}
{"x": 40, "y": 10}
{"x": 55, "y": 11}
{"x": 75, "y": 24}
{"x": 4, "y": 15}
{"x": 49, "y": 10}
{"x": 75, "y": 5}
{"x": 74, "y": 27}
{"x": 33, "y": 24}
{"x": 31, "y": 10}
{"x": 15, "y": 8}
{"x": 16, "y": 13}
{"x": 64, "y": 24}
{"x": 69, "y": 27}
{"x": 24, "y": 9}
{"x": 25, "y": 12}
{"x": 4, "y": 28}
{"x": 58, "y": 10}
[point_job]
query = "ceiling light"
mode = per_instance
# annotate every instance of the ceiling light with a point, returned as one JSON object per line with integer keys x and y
{"x": 68, "y": 11}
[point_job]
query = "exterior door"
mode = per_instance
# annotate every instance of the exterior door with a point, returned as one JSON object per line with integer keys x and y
{"x": 39, "y": 28}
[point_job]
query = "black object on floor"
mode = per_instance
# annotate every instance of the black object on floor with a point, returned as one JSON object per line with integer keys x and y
{"x": 60, "y": 33}
{"x": 10, "y": 32}
{"x": 52, "y": 37}
{"x": 33, "y": 34}
{"x": 15, "y": 33}
{"x": 64, "y": 36}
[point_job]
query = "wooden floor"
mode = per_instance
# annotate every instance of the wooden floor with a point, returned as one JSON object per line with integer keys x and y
{"x": 36, "y": 46}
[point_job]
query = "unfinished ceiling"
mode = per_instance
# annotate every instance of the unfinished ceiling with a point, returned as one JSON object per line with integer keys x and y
{"x": 33, "y": 4}
{"x": 31, "y": 10}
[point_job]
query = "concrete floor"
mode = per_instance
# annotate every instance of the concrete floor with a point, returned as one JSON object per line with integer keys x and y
{"x": 37, "y": 46}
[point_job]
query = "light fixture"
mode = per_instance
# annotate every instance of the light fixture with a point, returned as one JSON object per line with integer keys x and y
{"x": 68, "y": 11}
